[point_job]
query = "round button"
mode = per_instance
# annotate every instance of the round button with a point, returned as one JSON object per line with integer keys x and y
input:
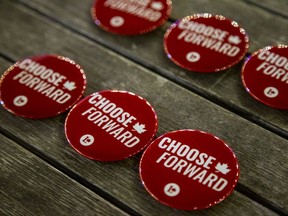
{"x": 205, "y": 43}
{"x": 130, "y": 17}
{"x": 189, "y": 169}
{"x": 42, "y": 86}
{"x": 111, "y": 125}
{"x": 265, "y": 76}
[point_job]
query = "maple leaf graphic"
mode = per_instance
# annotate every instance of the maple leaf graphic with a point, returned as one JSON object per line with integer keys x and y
{"x": 69, "y": 85}
{"x": 157, "y": 6}
{"x": 223, "y": 168}
{"x": 140, "y": 128}
{"x": 234, "y": 39}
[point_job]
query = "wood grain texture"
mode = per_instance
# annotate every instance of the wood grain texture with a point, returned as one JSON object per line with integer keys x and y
{"x": 279, "y": 7}
{"x": 224, "y": 87}
{"x": 29, "y": 186}
{"x": 261, "y": 153}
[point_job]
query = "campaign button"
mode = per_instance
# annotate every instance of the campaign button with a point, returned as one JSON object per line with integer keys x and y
{"x": 42, "y": 86}
{"x": 205, "y": 43}
{"x": 265, "y": 76}
{"x": 189, "y": 169}
{"x": 111, "y": 125}
{"x": 130, "y": 17}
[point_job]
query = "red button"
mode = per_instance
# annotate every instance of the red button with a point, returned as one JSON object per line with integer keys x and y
{"x": 189, "y": 169}
{"x": 111, "y": 125}
{"x": 42, "y": 86}
{"x": 205, "y": 43}
{"x": 130, "y": 17}
{"x": 265, "y": 76}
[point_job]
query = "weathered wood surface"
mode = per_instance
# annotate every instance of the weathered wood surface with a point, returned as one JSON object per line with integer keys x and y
{"x": 262, "y": 154}
{"x": 29, "y": 186}
{"x": 279, "y": 6}
{"x": 224, "y": 88}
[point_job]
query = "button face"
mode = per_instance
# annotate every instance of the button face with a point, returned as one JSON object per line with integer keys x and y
{"x": 189, "y": 169}
{"x": 265, "y": 76}
{"x": 205, "y": 43}
{"x": 111, "y": 125}
{"x": 130, "y": 17}
{"x": 42, "y": 86}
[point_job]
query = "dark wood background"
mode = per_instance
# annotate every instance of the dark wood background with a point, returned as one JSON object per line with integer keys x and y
{"x": 42, "y": 175}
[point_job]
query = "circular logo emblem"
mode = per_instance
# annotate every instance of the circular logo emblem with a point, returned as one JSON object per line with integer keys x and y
{"x": 42, "y": 86}
{"x": 265, "y": 76}
{"x": 130, "y": 17}
{"x": 205, "y": 43}
{"x": 86, "y": 140}
{"x": 20, "y": 100}
{"x": 111, "y": 125}
{"x": 171, "y": 189}
{"x": 189, "y": 169}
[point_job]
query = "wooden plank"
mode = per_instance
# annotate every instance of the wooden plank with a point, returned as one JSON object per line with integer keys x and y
{"x": 257, "y": 149}
{"x": 280, "y": 6}
{"x": 29, "y": 186}
{"x": 225, "y": 87}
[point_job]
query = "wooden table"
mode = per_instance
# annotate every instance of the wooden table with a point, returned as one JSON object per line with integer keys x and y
{"x": 42, "y": 175}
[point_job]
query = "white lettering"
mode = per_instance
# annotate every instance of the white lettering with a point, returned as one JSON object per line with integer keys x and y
{"x": 137, "y": 8}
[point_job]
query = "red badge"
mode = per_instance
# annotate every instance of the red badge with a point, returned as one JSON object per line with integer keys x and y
{"x": 42, "y": 86}
{"x": 130, "y": 17}
{"x": 111, "y": 125}
{"x": 265, "y": 76}
{"x": 189, "y": 169}
{"x": 205, "y": 43}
